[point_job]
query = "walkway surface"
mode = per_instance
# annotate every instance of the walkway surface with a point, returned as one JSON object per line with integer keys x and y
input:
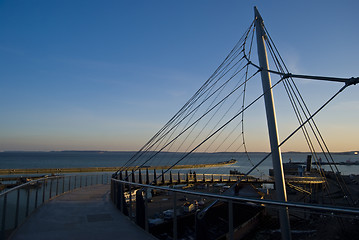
{"x": 85, "y": 213}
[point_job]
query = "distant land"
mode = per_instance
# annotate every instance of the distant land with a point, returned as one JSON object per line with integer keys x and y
{"x": 101, "y": 151}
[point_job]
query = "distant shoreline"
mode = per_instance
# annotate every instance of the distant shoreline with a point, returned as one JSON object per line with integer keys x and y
{"x": 101, "y": 151}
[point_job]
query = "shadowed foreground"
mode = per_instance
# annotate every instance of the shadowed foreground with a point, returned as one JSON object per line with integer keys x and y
{"x": 85, "y": 213}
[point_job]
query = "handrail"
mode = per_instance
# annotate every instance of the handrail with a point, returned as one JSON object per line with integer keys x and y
{"x": 316, "y": 207}
{"x": 11, "y": 216}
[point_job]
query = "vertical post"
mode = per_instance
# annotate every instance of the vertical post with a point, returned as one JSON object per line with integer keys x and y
{"x": 36, "y": 195}
{"x": 122, "y": 195}
{"x": 230, "y": 220}
{"x": 154, "y": 177}
{"x": 130, "y": 196}
{"x": 44, "y": 184}
{"x": 17, "y": 208}
{"x": 174, "y": 216}
{"x": 272, "y": 126}
{"x": 148, "y": 176}
{"x": 139, "y": 176}
{"x": 27, "y": 202}
{"x": 146, "y": 209}
{"x": 50, "y": 194}
{"x": 4, "y": 216}
{"x": 63, "y": 184}
{"x": 57, "y": 186}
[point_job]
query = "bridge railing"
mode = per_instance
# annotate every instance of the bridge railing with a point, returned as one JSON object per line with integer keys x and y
{"x": 166, "y": 211}
{"x": 17, "y": 203}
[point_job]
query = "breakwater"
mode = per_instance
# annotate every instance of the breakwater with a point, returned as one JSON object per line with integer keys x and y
{"x": 107, "y": 169}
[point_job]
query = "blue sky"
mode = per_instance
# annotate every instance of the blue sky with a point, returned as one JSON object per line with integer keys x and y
{"x": 106, "y": 75}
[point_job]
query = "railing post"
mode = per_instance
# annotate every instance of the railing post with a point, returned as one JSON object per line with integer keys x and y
{"x": 36, "y": 195}
{"x": 174, "y": 216}
{"x": 63, "y": 184}
{"x": 4, "y": 216}
{"x": 133, "y": 176}
{"x": 146, "y": 210}
{"x": 69, "y": 183}
{"x": 27, "y": 202}
{"x": 43, "y": 191}
{"x": 17, "y": 208}
{"x": 122, "y": 195}
{"x": 148, "y": 176}
{"x": 50, "y": 194}
{"x": 178, "y": 177}
{"x": 163, "y": 178}
{"x": 57, "y": 186}
{"x": 130, "y": 196}
{"x": 154, "y": 177}
{"x": 230, "y": 219}
{"x": 139, "y": 176}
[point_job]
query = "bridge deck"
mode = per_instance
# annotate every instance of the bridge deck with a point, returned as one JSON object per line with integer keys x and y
{"x": 85, "y": 213}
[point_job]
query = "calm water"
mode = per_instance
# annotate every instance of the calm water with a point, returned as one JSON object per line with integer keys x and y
{"x": 14, "y": 160}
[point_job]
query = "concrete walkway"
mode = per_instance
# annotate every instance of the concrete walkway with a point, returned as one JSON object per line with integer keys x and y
{"x": 85, "y": 213}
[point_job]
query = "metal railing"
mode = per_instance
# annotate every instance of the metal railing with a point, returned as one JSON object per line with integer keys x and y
{"x": 164, "y": 207}
{"x": 17, "y": 203}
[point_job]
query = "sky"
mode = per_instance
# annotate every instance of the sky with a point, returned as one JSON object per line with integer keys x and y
{"x": 106, "y": 75}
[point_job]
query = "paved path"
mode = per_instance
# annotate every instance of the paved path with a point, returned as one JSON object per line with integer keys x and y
{"x": 85, "y": 213}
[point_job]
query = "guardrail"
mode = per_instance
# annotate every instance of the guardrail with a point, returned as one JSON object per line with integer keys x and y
{"x": 139, "y": 203}
{"x": 18, "y": 203}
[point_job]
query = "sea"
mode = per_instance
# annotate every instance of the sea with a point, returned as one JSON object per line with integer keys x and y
{"x": 83, "y": 159}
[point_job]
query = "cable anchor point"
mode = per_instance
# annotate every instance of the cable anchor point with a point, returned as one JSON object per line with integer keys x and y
{"x": 352, "y": 81}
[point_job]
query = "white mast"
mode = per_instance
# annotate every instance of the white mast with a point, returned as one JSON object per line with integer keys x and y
{"x": 272, "y": 126}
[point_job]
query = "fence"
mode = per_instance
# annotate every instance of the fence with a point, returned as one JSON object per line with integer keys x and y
{"x": 170, "y": 213}
{"x": 18, "y": 203}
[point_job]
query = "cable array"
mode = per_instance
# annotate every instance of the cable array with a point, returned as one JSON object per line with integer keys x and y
{"x": 213, "y": 119}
